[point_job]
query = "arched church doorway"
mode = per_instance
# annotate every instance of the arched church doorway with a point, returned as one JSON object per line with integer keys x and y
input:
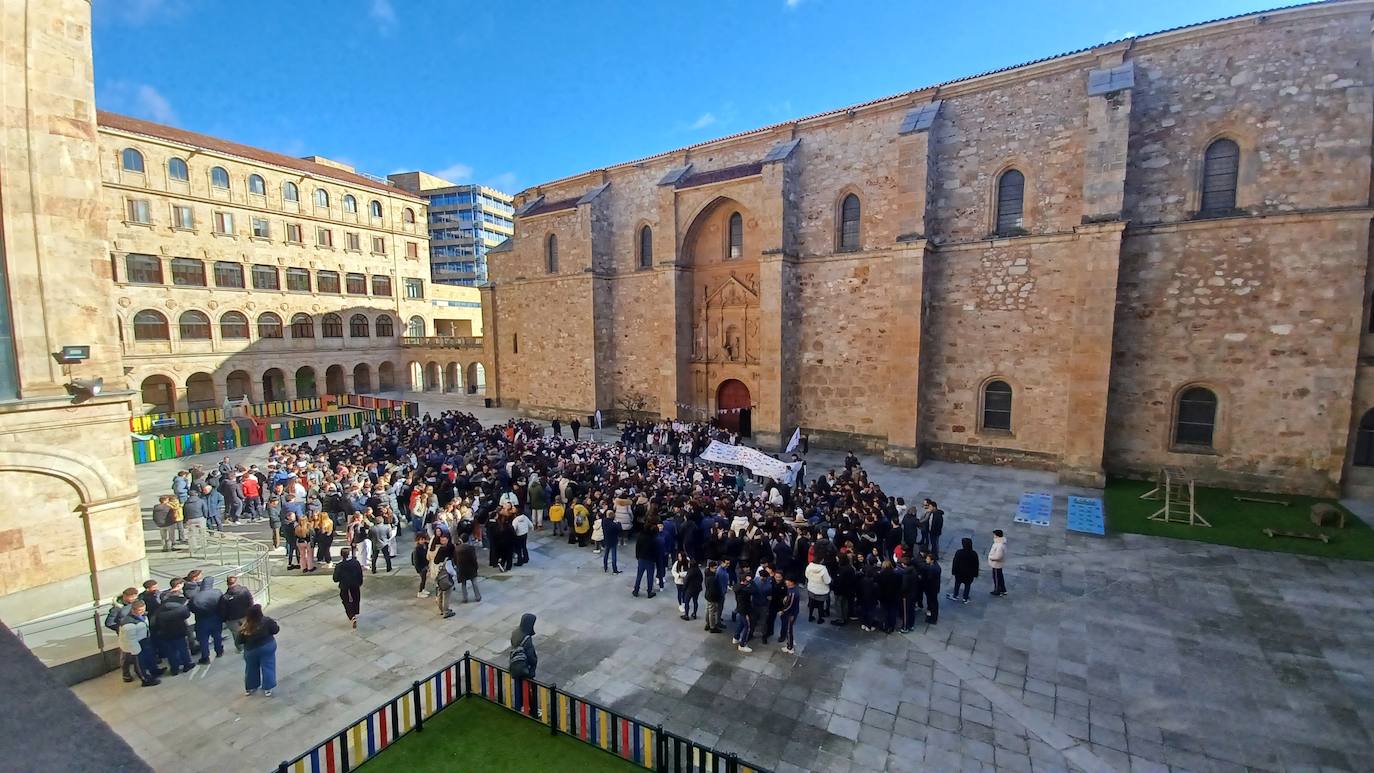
{"x": 733, "y": 406}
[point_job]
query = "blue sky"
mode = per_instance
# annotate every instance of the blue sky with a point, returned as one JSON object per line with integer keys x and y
{"x": 517, "y": 93}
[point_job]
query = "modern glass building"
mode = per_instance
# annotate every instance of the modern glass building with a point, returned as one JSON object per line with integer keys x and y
{"x": 464, "y": 222}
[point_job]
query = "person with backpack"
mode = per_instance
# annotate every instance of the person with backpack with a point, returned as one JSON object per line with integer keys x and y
{"x": 582, "y": 524}
{"x": 524, "y": 661}
{"x": 114, "y": 620}
{"x": 445, "y": 578}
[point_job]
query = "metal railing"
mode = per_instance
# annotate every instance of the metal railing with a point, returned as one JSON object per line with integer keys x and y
{"x": 443, "y": 342}
{"x": 641, "y": 744}
{"x": 241, "y": 556}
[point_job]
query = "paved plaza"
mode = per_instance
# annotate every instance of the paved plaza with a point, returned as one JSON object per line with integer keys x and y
{"x": 1118, "y": 653}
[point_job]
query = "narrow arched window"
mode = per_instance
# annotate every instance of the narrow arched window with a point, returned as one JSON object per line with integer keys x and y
{"x": 331, "y": 326}
{"x": 256, "y": 185}
{"x": 269, "y": 325}
{"x": 176, "y": 169}
{"x": 1196, "y": 418}
{"x": 1364, "y": 441}
{"x": 219, "y": 178}
{"x": 849, "y": 224}
{"x": 997, "y": 406}
{"x": 646, "y": 247}
{"x": 233, "y": 325}
{"x": 385, "y": 328}
{"x": 322, "y": 198}
{"x": 1220, "y": 168}
{"x": 302, "y": 326}
{"x": 375, "y": 208}
{"x": 131, "y": 160}
{"x": 408, "y": 216}
{"x": 289, "y": 192}
{"x": 551, "y": 254}
{"x": 350, "y": 204}
{"x": 150, "y": 325}
{"x": 1011, "y": 196}
{"x": 416, "y": 328}
{"x": 194, "y": 326}
{"x": 358, "y": 326}
{"x": 736, "y": 245}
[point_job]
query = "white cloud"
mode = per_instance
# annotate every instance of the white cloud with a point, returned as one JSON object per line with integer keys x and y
{"x": 150, "y": 103}
{"x": 455, "y": 173}
{"x": 384, "y": 13}
{"x": 793, "y": 3}
{"x": 702, "y": 121}
{"x": 505, "y": 182}
{"x": 137, "y": 99}
{"x": 1114, "y": 35}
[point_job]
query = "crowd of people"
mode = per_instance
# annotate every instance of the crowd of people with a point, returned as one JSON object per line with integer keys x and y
{"x": 160, "y": 629}
{"x": 837, "y": 545}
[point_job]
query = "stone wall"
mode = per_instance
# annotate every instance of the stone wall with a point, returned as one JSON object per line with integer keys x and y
{"x": 1111, "y": 295}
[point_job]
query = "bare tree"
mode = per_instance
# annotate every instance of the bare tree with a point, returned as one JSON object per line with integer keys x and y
{"x": 632, "y": 404}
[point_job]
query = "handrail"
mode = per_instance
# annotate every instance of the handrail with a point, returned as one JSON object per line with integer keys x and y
{"x": 444, "y": 342}
{"x": 642, "y": 744}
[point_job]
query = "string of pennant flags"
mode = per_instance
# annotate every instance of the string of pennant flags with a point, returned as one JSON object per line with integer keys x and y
{"x": 691, "y": 407}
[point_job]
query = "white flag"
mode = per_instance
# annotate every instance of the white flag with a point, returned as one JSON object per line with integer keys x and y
{"x": 796, "y": 438}
{"x": 598, "y": 418}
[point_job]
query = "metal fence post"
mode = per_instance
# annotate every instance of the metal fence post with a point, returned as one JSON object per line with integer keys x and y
{"x": 660, "y": 750}
{"x": 282, "y": 767}
{"x": 553, "y": 718}
{"x": 343, "y": 751}
{"x": 731, "y": 763}
{"x": 419, "y": 711}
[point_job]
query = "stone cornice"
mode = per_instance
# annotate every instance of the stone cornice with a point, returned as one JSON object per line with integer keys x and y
{"x": 1278, "y": 218}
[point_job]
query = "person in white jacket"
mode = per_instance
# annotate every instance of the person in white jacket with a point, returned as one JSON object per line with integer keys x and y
{"x": 134, "y": 640}
{"x": 817, "y": 591}
{"x": 997, "y": 557}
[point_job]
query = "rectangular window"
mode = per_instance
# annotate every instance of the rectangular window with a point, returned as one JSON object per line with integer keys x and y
{"x": 324, "y": 237}
{"x": 143, "y": 269}
{"x": 415, "y": 288}
{"x": 224, "y": 222}
{"x": 183, "y": 217}
{"x": 261, "y": 228}
{"x": 381, "y": 285}
{"x": 412, "y": 250}
{"x": 266, "y": 278}
{"x": 298, "y": 280}
{"x": 228, "y": 274}
{"x": 293, "y": 233}
{"x": 378, "y": 245}
{"x": 139, "y": 211}
{"x": 328, "y": 281}
{"x": 356, "y": 284}
{"x": 353, "y": 241}
{"x": 188, "y": 272}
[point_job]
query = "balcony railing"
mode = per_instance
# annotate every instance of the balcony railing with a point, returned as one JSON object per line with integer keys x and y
{"x": 443, "y": 342}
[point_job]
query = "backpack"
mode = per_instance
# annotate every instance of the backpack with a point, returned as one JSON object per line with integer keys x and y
{"x": 581, "y": 520}
{"x": 518, "y": 666}
{"x": 444, "y": 581}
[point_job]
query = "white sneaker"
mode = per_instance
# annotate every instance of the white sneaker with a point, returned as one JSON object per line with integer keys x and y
{"x": 743, "y": 648}
{"x": 789, "y": 650}
{"x": 682, "y": 608}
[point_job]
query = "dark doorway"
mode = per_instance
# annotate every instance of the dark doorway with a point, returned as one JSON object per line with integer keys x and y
{"x": 733, "y": 406}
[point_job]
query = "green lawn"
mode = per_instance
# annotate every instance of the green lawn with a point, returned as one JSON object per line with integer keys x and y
{"x": 1239, "y": 523}
{"x": 473, "y": 734}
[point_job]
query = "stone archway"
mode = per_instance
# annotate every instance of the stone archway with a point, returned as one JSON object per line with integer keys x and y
{"x": 362, "y": 378}
{"x": 452, "y": 382}
{"x": 305, "y": 382}
{"x": 734, "y": 406}
{"x": 273, "y": 385}
{"x": 200, "y": 392}
{"x": 160, "y": 392}
{"x": 334, "y": 380}
{"x": 433, "y": 377}
{"x": 239, "y": 386}
{"x": 416, "y": 374}
{"x": 386, "y": 377}
{"x": 477, "y": 379}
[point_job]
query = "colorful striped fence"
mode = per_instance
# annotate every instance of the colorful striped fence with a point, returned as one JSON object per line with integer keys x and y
{"x": 238, "y": 435}
{"x": 648, "y": 746}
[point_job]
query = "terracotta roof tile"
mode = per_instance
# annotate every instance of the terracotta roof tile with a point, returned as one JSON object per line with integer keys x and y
{"x": 553, "y": 206}
{"x": 721, "y": 175}
{"x": 139, "y": 126}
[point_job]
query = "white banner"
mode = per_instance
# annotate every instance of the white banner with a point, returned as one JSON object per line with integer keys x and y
{"x": 796, "y": 439}
{"x": 751, "y": 459}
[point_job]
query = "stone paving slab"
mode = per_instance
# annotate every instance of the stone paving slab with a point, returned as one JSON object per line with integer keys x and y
{"x": 1122, "y": 652}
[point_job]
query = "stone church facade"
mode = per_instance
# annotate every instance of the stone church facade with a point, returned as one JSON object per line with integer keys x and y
{"x": 1153, "y": 252}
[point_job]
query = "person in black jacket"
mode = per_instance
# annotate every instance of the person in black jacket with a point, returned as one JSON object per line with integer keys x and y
{"x": 646, "y": 556}
{"x": 233, "y": 608}
{"x": 964, "y": 568}
{"x": 889, "y": 595}
{"x": 934, "y": 527}
{"x": 845, "y": 587}
{"x": 169, "y": 629}
{"x": 912, "y": 593}
{"x": 259, "y": 652}
{"x": 868, "y": 599}
{"x": 348, "y": 573}
{"x": 931, "y": 584}
{"x": 419, "y": 558}
{"x": 693, "y": 589}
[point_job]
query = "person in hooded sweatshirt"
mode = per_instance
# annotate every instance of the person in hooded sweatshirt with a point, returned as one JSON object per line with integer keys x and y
{"x": 997, "y": 557}
{"x": 912, "y": 593}
{"x": 524, "y": 661}
{"x": 204, "y": 602}
{"x": 931, "y": 584}
{"x": 964, "y": 568}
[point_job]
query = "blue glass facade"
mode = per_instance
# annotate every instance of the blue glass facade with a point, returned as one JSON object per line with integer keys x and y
{"x": 464, "y": 222}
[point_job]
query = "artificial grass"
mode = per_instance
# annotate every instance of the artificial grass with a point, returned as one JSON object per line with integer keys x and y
{"x": 1240, "y": 524}
{"x": 473, "y": 734}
